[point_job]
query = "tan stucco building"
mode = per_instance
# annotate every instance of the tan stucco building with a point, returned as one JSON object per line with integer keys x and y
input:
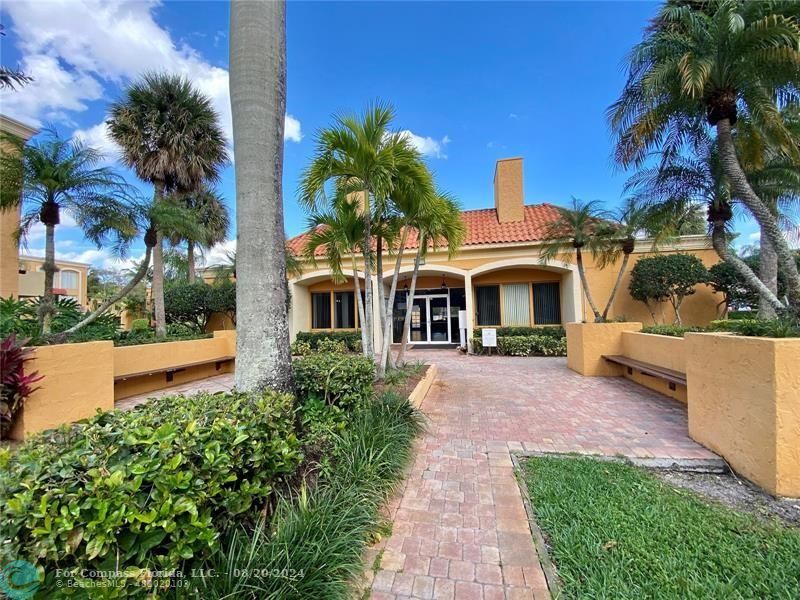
{"x": 70, "y": 280}
{"x": 498, "y": 277}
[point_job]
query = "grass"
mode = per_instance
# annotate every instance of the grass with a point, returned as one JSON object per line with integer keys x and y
{"x": 313, "y": 545}
{"x": 616, "y": 531}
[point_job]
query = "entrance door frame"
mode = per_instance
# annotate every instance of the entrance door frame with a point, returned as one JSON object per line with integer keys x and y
{"x": 427, "y": 298}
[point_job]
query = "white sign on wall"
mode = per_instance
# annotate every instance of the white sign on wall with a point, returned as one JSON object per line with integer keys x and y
{"x": 489, "y": 338}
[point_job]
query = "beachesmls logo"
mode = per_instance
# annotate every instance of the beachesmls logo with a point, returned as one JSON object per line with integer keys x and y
{"x": 19, "y": 579}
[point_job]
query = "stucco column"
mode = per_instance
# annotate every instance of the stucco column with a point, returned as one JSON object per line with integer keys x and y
{"x": 470, "y": 309}
{"x": 299, "y": 310}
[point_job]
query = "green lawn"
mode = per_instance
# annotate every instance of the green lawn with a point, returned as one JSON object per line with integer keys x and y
{"x": 616, "y": 531}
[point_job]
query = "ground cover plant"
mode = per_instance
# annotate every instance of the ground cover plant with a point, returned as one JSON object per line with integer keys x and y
{"x": 616, "y": 531}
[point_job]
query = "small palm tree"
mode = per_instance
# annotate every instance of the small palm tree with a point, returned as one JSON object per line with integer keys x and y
{"x": 713, "y": 62}
{"x": 57, "y": 174}
{"x": 212, "y": 215}
{"x": 582, "y": 227}
{"x": 336, "y": 232}
{"x": 440, "y": 223}
{"x": 171, "y": 136}
{"x": 365, "y": 155}
{"x": 632, "y": 219}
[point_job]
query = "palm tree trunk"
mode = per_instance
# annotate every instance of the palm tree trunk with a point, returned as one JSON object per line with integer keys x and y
{"x": 157, "y": 287}
{"x": 359, "y": 305}
{"x": 366, "y": 251}
{"x": 720, "y": 243}
{"x": 190, "y": 261}
{"x": 387, "y": 323}
{"x": 585, "y": 284}
{"x": 137, "y": 277}
{"x": 258, "y": 106}
{"x": 615, "y": 289}
{"x": 769, "y": 225}
{"x": 768, "y": 273}
{"x": 409, "y": 301}
{"x": 47, "y": 306}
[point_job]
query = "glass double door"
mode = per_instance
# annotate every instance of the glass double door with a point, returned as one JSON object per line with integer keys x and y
{"x": 430, "y": 320}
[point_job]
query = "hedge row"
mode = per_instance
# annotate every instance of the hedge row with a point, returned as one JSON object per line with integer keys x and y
{"x": 525, "y": 345}
{"x": 145, "y": 489}
{"x": 352, "y": 339}
{"x": 340, "y": 380}
{"x": 545, "y": 331}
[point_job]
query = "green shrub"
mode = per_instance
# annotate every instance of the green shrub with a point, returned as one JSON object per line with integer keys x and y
{"x": 301, "y": 348}
{"x": 525, "y": 345}
{"x": 222, "y": 299}
{"x": 773, "y": 328}
{"x": 314, "y": 545}
{"x": 139, "y": 325}
{"x": 188, "y": 303}
{"x": 351, "y": 338}
{"x": 145, "y": 489}
{"x": 20, "y": 317}
{"x": 332, "y": 346}
{"x": 547, "y": 331}
{"x": 670, "y": 330}
{"x": 342, "y": 380}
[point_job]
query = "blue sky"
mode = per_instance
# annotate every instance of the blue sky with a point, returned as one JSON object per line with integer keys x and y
{"x": 473, "y": 82}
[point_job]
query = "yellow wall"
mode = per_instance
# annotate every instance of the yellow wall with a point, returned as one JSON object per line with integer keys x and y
{"x": 698, "y": 309}
{"x": 744, "y": 403}
{"x": 78, "y": 380}
{"x": 587, "y": 343}
{"x": 661, "y": 350}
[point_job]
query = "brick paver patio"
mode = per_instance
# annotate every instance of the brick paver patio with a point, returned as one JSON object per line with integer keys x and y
{"x": 217, "y": 383}
{"x": 460, "y": 528}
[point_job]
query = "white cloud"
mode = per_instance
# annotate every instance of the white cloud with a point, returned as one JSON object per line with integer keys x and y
{"x": 291, "y": 129}
{"x": 100, "y": 258}
{"x": 218, "y": 254}
{"x": 98, "y": 137}
{"x": 71, "y": 46}
{"x": 427, "y": 146}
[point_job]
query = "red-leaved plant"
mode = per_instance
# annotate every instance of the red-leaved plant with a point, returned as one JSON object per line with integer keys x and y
{"x": 15, "y": 384}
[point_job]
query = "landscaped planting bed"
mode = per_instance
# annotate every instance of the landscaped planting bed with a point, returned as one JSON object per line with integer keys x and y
{"x": 617, "y": 531}
{"x": 252, "y": 495}
{"x": 525, "y": 341}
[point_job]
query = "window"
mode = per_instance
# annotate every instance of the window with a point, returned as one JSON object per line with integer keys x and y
{"x": 487, "y": 300}
{"x": 345, "y": 310}
{"x": 547, "y": 303}
{"x": 516, "y": 305}
{"x": 69, "y": 280}
{"x": 321, "y": 311}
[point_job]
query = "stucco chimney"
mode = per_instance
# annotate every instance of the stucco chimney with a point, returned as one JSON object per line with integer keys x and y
{"x": 508, "y": 198}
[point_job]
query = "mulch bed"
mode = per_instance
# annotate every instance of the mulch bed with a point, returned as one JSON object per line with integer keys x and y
{"x": 405, "y": 389}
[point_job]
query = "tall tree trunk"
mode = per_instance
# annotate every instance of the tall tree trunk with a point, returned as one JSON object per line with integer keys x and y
{"x": 720, "y": 243}
{"x": 409, "y": 300}
{"x": 585, "y": 284}
{"x": 763, "y": 215}
{"x": 359, "y": 305}
{"x": 258, "y": 106}
{"x": 137, "y": 277}
{"x": 625, "y": 258}
{"x": 157, "y": 287}
{"x": 389, "y": 313}
{"x": 47, "y": 305}
{"x": 768, "y": 273}
{"x": 190, "y": 261}
{"x": 366, "y": 251}
{"x": 380, "y": 292}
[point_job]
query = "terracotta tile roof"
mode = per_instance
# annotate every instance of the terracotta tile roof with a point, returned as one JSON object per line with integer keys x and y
{"x": 482, "y": 228}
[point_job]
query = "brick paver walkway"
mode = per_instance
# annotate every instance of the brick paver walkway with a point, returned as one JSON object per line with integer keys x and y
{"x": 217, "y": 383}
{"x": 460, "y": 528}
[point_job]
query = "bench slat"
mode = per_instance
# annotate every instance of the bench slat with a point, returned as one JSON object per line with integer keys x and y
{"x": 649, "y": 369}
{"x": 220, "y": 359}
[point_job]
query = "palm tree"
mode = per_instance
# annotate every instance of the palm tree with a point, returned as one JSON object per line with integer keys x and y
{"x": 56, "y": 174}
{"x": 170, "y": 135}
{"x": 583, "y": 226}
{"x": 440, "y": 223}
{"x": 212, "y": 215}
{"x": 363, "y": 154}
{"x": 710, "y": 62}
{"x": 336, "y": 232}
{"x": 631, "y": 219}
{"x": 117, "y": 225}
{"x": 258, "y": 103}
{"x": 10, "y": 78}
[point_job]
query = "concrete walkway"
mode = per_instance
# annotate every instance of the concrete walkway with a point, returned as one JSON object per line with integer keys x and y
{"x": 460, "y": 528}
{"x": 217, "y": 383}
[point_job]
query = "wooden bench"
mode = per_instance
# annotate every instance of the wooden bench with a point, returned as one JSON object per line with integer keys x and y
{"x": 172, "y": 369}
{"x": 673, "y": 377}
